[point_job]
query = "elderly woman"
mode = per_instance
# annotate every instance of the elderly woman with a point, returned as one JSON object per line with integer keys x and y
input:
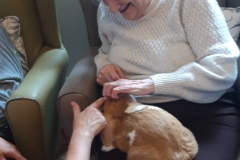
{"x": 178, "y": 55}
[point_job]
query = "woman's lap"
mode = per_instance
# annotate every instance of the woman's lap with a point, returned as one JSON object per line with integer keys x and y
{"x": 217, "y": 139}
{"x": 216, "y": 127}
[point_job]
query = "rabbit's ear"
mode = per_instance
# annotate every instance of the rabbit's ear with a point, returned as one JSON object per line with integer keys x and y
{"x": 106, "y": 134}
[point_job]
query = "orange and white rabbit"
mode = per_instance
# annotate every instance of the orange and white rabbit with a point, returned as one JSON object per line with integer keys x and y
{"x": 145, "y": 132}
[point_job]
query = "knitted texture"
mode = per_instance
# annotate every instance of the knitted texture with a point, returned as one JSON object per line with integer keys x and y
{"x": 184, "y": 46}
{"x": 11, "y": 73}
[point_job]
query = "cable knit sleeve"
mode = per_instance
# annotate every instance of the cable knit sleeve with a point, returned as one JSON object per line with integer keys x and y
{"x": 101, "y": 59}
{"x": 215, "y": 69}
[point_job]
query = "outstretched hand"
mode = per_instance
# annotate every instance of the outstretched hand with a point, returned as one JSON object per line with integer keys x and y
{"x": 8, "y": 150}
{"x": 86, "y": 125}
{"x": 90, "y": 121}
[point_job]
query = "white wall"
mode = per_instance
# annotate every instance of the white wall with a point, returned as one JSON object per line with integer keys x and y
{"x": 72, "y": 28}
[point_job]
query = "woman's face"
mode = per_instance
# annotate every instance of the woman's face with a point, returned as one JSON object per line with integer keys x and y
{"x": 130, "y": 9}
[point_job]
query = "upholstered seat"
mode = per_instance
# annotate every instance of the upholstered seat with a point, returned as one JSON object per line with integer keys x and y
{"x": 32, "y": 108}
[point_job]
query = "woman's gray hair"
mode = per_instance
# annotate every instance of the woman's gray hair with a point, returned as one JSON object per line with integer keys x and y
{"x": 96, "y": 2}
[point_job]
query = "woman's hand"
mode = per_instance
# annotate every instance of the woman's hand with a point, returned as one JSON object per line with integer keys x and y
{"x": 86, "y": 125}
{"x": 109, "y": 73}
{"x": 137, "y": 87}
{"x": 8, "y": 150}
{"x": 90, "y": 121}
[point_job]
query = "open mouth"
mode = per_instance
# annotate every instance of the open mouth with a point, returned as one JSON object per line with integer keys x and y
{"x": 124, "y": 8}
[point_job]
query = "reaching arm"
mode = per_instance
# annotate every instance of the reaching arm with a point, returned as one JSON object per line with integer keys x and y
{"x": 86, "y": 126}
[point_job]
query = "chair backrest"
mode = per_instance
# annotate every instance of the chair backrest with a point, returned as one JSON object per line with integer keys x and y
{"x": 89, "y": 8}
{"x": 38, "y": 24}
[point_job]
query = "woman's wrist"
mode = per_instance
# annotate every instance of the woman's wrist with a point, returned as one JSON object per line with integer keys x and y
{"x": 80, "y": 144}
{"x": 149, "y": 85}
{"x": 83, "y": 133}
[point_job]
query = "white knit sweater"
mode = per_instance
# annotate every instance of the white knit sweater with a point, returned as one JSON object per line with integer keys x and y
{"x": 184, "y": 46}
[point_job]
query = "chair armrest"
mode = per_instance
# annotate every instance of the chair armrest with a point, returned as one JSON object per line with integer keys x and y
{"x": 43, "y": 75}
{"x": 31, "y": 110}
{"x": 80, "y": 86}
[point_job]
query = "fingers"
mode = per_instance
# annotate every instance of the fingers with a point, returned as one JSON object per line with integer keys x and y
{"x": 98, "y": 103}
{"x": 113, "y": 89}
{"x": 101, "y": 80}
{"x": 107, "y": 90}
{"x": 119, "y": 73}
{"x": 113, "y": 92}
{"x": 14, "y": 154}
{"x": 76, "y": 108}
{"x": 117, "y": 92}
{"x": 116, "y": 74}
{"x": 111, "y": 76}
{"x": 109, "y": 73}
{"x": 107, "y": 76}
{"x": 9, "y": 151}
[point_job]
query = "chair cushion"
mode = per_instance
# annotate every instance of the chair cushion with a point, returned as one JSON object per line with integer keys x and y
{"x": 12, "y": 26}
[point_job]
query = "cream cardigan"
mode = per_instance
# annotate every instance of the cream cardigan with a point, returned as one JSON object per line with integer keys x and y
{"x": 184, "y": 46}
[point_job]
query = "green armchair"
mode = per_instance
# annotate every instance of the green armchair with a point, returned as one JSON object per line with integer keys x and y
{"x": 32, "y": 108}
